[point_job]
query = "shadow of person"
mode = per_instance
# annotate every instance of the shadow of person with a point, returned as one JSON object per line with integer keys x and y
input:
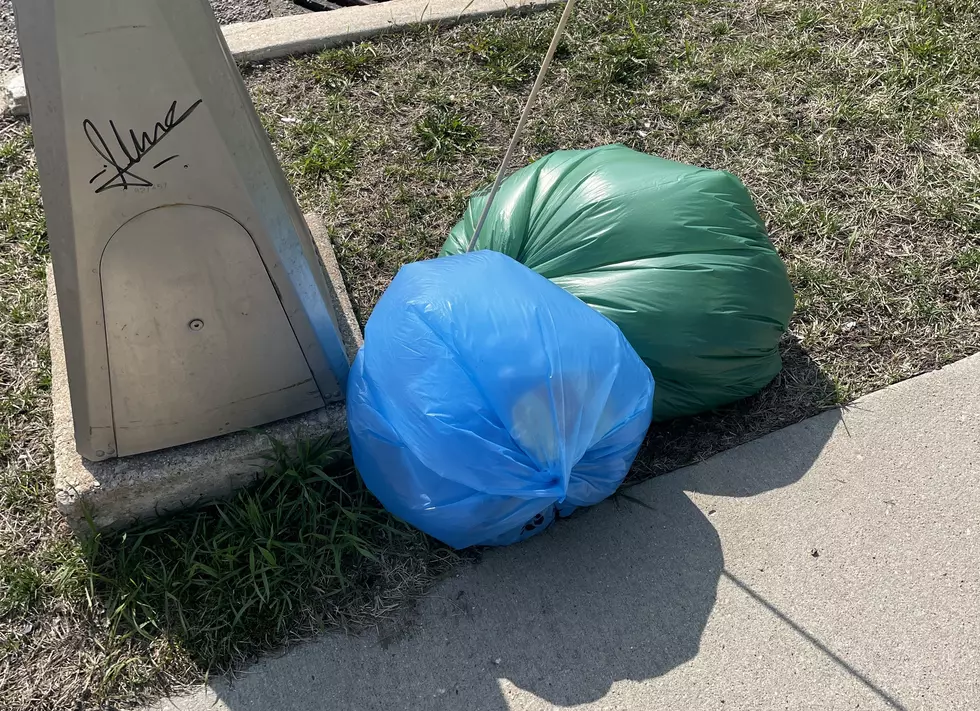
{"x": 625, "y": 592}
{"x": 622, "y": 591}
{"x": 630, "y": 600}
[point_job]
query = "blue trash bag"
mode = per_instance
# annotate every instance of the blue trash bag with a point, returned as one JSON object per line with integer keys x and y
{"x": 486, "y": 401}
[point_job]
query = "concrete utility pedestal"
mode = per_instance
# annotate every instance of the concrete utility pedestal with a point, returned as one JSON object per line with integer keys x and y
{"x": 187, "y": 295}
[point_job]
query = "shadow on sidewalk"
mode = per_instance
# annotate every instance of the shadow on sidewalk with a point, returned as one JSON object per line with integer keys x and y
{"x": 622, "y": 591}
{"x": 625, "y": 594}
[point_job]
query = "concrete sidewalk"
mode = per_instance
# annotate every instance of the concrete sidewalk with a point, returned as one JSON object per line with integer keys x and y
{"x": 832, "y": 565}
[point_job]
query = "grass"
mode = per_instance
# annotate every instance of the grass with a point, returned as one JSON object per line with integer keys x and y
{"x": 509, "y": 60}
{"x": 973, "y": 140}
{"x": 339, "y": 68}
{"x": 443, "y": 133}
{"x": 854, "y": 124}
{"x": 308, "y": 548}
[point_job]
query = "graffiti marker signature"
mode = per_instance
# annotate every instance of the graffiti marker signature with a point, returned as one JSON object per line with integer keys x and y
{"x": 120, "y": 170}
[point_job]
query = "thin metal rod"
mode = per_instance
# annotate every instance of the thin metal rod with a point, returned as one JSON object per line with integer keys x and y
{"x": 525, "y": 114}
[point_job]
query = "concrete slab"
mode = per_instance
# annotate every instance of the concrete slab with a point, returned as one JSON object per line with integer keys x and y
{"x": 832, "y": 565}
{"x": 13, "y": 95}
{"x": 310, "y": 32}
{"x": 281, "y": 36}
{"x": 119, "y": 492}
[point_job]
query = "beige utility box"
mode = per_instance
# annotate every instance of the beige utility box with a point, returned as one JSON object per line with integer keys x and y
{"x": 192, "y": 302}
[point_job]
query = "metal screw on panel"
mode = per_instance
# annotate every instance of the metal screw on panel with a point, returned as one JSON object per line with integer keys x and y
{"x": 196, "y": 324}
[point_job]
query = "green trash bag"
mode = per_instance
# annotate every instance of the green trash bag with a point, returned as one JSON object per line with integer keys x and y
{"x": 676, "y": 256}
